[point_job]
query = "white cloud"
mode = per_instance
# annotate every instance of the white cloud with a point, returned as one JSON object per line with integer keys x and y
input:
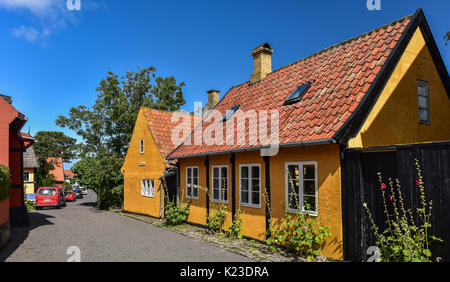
{"x": 27, "y": 32}
{"x": 46, "y": 16}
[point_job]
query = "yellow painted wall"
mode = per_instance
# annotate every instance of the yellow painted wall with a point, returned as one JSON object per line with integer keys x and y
{"x": 253, "y": 219}
{"x": 197, "y": 212}
{"x": 395, "y": 118}
{"x": 29, "y": 186}
{"x": 134, "y": 172}
{"x": 329, "y": 188}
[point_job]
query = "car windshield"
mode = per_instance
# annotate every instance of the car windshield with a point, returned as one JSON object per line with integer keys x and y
{"x": 67, "y": 193}
{"x": 47, "y": 192}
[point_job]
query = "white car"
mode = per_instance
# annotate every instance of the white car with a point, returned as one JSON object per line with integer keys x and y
{"x": 84, "y": 191}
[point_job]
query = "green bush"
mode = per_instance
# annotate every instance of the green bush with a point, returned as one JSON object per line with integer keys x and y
{"x": 5, "y": 182}
{"x": 176, "y": 213}
{"x": 234, "y": 231}
{"x": 405, "y": 239}
{"x": 216, "y": 222}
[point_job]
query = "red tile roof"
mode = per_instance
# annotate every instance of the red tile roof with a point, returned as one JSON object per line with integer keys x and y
{"x": 161, "y": 127}
{"x": 58, "y": 170}
{"x": 341, "y": 76}
{"x": 69, "y": 174}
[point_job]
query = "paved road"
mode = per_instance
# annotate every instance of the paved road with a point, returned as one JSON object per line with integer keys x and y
{"x": 103, "y": 236}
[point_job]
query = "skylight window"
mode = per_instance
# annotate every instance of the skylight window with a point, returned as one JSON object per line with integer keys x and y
{"x": 298, "y": 94}
{"x": 230, "y": 112}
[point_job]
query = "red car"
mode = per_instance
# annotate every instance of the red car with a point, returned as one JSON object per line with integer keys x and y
{"x": 48, "y": 197}
{"x": 70, "y": 196}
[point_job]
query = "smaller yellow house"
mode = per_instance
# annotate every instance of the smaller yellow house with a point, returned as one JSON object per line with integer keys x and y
{"x": 145, "y": 164}
{"x": 30, "y": 166}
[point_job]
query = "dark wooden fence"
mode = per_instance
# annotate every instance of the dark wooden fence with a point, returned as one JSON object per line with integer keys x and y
{"x": 360, "y": 185}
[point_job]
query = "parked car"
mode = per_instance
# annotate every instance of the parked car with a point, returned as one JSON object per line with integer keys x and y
{"x": 48, "y": 197}
{"x": 84, "y": 191}
{"x": 78, "y": 193}
{"x": 70, "y": 196}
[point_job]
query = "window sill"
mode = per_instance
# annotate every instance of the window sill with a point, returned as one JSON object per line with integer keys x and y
{"x": 310, "y": 213}
{"x": 147, "y": 196}
{"x": 219, "y": 202}
{"x": 250, "y": 206}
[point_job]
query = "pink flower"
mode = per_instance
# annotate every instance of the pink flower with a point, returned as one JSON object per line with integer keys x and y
{"x": 189, "y": 185}
{"x": 390, "y": 197}
{"x": 418, "y": 183}
{"x": 383, "y": 186}
{"x": 206, "y": 188}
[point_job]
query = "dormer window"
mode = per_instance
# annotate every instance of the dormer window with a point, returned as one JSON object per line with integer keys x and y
{"x": 297, "y": 95}
{"x": 230, "y": 112}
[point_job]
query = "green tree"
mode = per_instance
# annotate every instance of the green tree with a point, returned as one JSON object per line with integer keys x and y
{"x": 52, "y": 144}
{"x": 107, "y": 126}
{"x": 55, "y": 144}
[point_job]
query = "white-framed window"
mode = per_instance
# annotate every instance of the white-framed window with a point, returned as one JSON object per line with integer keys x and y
{"x": 141, "y": 146}
{"x": 424, "y": 102}
{"x": 26, "y": 176}
{"x": 301, "y": 187}
{"x": 250, "y": 185}
{"x": 192, "y": 182}
{"x": 219, "y": 183}
{"x": 148, "y": 188}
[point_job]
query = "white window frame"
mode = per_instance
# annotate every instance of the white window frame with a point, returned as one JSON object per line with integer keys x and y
{"x": 421, "y": 83}
{"x": 301, "y": 188}
{"x": 148, "y": 190}
{"x": 142, "y": 146}
{"x": 250, "y": 186}
{"x": 220, "y": 186}
{"x": 192, "y": 177}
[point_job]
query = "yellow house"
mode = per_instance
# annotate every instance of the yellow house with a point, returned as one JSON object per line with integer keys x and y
{"x": 145, "y": 164}
{"x": 387, "y": 87}
{"x": 30, "y": 166}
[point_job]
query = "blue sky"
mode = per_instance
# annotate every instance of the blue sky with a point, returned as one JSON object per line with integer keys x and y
{"x": 53, "y": 58}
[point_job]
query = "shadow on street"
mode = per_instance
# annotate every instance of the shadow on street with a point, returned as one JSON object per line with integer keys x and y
{"x": 18, "y": 235}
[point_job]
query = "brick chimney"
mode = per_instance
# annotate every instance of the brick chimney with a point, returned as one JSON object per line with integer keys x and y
{"x": 213, "y": 99}
{"x": 262, "y": 62}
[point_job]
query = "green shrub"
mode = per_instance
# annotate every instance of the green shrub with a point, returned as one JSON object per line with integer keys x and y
{"x": 234, "y": 231}
{"x": 176, "y": 213}
{"x": 404, "y": 240}
{"x": 299, "y": 232}
{"x": 216, "y": 222}
{"x": 5, "y": 182}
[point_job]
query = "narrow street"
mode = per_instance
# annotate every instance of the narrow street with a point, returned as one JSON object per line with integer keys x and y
{"x": 103, "y": 236}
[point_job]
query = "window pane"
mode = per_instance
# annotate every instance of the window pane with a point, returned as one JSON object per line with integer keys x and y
{"x": 195, "y": 181}
{"x": 189, "y": 191}
{"x": 255, "y": 172}
{"x": 223, "y": 183}
{"x": 189, "y": 172}
{"x": 244, "y": 197}
{"x": 225, "y": 194}
{"x": 244, "y": 184}
{"x": 255, "y": 185}
{"x": 309, "y": 187}
{"x": 309, "y": 172}
{"x": 195, "y": 172}
{"x": 423, "y": 102}
{"x": 216, "y": 172}
{"x": 423, "y": 115}
{"x": 255, "y": 198}
{"x": 215, "y": 183}
{"x": 310, "y": 203}
{"x": 195, "y": 192}
{"x": 224, "y": 172}
{"x": 292, "y": 172}
{"x": 244, "y": 172}
{"x": 216, "y": 194}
